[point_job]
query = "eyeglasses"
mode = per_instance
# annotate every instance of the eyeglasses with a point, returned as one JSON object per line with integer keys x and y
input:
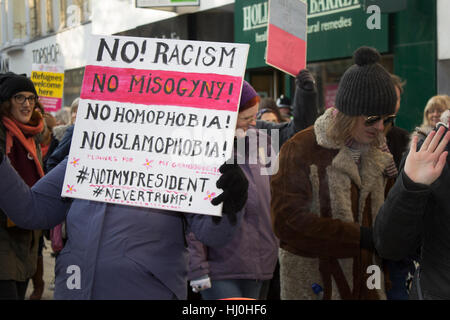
{"x": 20, "y": 98}
{"x": 370, "y": 121}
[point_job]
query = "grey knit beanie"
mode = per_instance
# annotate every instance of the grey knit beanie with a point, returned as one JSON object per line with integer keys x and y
{"x": 366, "y": 87}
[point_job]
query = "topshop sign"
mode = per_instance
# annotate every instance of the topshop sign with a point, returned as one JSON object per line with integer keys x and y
{"x": 47, "y": 54}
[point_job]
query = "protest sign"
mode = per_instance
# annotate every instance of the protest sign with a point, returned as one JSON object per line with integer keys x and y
{"x": 286, "y": 35}
{"x": 49, "y": 83}
{"x": 155, "y": 121}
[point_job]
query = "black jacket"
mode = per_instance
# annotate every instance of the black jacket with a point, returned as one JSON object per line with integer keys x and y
{"x": 416, "y": 215}
{"x": 397, "y": 140}
{"x": 305, "y": 109}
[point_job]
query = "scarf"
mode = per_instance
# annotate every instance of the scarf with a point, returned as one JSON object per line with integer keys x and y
{"x": 357, "y": 149}
{"x": 24, "y": 133}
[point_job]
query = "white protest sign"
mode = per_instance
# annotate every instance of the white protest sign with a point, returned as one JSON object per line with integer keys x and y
{"x": 155, "y": 121}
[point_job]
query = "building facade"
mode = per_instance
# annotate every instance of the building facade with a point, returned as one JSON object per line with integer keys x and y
{"x": 403, "y": 31}
{"x": 410, "y": 35}
{"x": 57, "y": 32}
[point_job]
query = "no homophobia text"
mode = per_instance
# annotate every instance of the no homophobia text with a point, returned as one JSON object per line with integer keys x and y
{"x": 147, "y": 116}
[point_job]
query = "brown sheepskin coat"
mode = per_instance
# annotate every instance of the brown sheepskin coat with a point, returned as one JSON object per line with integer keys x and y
{"x": 319, "y": 201}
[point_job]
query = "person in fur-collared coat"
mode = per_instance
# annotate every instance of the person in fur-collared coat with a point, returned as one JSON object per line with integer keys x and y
{"x": 330, "y": 185}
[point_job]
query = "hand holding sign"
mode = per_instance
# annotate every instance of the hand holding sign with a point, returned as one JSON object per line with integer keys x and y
{"x": 156, "y": 119}
{"x": 235, "y": 190}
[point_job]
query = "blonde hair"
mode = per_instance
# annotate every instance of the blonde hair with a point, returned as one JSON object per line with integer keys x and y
{"x": 342, "y": 127}
{"x": 74, "y": 105}
{"x": 441, "y": 102}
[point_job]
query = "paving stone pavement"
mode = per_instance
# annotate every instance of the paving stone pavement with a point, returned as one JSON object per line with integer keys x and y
{"x": 49, "y": 272}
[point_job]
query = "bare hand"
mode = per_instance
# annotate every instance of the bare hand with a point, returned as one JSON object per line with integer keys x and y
{"x": 426, "y": 165}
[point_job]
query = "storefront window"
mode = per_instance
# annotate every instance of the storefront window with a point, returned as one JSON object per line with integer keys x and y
{"x": 72, "y": 85}
{"x": 328, "y": 74}
{"x": 268, "y": 82}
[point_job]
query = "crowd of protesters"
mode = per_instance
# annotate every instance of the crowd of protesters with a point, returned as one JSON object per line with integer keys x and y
{"x": 350, "y": 191}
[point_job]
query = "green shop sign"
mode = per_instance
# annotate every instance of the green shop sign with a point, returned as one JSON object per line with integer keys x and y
{"x": 335, "y": 29}
{"x": 250, "y": 26}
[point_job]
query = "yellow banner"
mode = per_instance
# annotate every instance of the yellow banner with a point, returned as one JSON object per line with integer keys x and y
{"x": 48, "y": 84}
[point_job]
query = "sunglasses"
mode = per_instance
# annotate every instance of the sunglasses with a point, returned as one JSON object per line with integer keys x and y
{"x": 370, "y": 121}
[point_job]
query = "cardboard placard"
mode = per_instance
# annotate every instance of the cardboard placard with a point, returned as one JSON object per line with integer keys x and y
{"x": 286, "y": 35}
{"x": 155, "y": 121}
{"x": 49, "y": 83}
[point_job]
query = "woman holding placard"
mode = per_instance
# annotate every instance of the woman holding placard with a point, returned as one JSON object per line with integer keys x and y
{"x": 113, "y": 251}
{"x": 240, "y": 268}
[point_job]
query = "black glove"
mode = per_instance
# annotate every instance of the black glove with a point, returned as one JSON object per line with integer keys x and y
{"x": 305, "y": 80}
{"x": 366, "y": 239}
{"x": 235, "y": 191}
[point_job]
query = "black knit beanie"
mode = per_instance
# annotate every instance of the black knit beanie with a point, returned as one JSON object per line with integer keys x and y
{"x": 366, "y": 87}
{"x": 11, "y": 83}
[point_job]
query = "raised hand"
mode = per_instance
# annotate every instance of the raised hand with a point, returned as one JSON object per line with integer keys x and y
{"x": 305, "y": 80}
{"x": 426, "y": 165}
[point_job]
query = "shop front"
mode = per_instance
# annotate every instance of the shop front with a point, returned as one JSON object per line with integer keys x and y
{"x": 250, "y": 26}
{"x": 403, "y": 32}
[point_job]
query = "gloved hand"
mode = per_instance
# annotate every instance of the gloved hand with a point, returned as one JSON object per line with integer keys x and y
{"x": 235, "y": 190}
{"x": 305, "y": 80}
{"x": 201, "y": 284}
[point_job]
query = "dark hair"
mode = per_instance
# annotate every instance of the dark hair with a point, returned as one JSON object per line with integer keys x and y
{"x": 39, "y": 106}
{"x": 270, "y": 104}
{"x": 398, "y": 82}
{"x": 5, "y": 108}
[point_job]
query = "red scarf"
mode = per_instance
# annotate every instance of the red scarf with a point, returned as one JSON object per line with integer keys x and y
{"x": 24, "y": 133}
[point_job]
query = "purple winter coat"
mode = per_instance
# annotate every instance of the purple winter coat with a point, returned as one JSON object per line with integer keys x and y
{"x": 122, "y": 252}
{"x": 253, "y": 251}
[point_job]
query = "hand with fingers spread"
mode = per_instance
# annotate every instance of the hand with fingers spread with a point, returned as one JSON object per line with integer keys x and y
{"x": 425, "y": 165}
{"x": 235, "y": 190}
